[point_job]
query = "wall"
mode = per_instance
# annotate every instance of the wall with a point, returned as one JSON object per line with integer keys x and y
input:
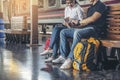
{"x": 48, "y": 9}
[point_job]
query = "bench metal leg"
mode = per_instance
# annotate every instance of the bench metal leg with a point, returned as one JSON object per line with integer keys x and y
{"x": 118, "y": 58}
{"x": 112, "y": 54}
{"x": 102, "y": 58}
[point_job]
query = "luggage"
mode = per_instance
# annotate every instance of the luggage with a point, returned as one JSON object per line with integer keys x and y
{"x": 85, "y": 55}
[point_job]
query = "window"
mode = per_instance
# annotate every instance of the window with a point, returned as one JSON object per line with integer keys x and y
{"x": 51, "y": 3}
{"x": 40, "y": 3}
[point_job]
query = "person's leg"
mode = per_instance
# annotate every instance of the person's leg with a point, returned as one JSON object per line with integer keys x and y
{"x": 54, "y": 42}
{"x": 64, "y": 45}
{"x": 55, "y": 49}
{"x": 56, "y": 34}
{"x": 54, "y": 39}
{"x": 78, "y": 34}
{"x": 54, "y": 53}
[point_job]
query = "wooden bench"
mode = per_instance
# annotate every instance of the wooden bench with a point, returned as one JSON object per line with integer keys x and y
{"x": 113, "y": 36}
{"x": 17, "y": 36}
{"x": 112, "y": 40}
{"x": 113, "y": 23}
{"x": 18, "y": 32}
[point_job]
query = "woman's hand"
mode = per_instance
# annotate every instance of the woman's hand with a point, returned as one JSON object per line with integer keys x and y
{"x": 66, "y": 24}
{"x": 67, "y": 19}
{"x": 69, "y": 22}
{"x": 74, "y": 22}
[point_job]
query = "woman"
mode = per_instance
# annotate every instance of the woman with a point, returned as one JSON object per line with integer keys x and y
{"x": 73, "y": 11}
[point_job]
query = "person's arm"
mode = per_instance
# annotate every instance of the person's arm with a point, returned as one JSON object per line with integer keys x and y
{"x": 66, "y": 18}
{"x": 66, "y": 24}
{"x": 100, "y": 9}
{"x": 80, "y": 13}
{"x": 88, "y": 20}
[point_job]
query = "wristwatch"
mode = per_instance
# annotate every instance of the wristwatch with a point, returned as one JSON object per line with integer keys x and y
{"x": 78, "y": 23}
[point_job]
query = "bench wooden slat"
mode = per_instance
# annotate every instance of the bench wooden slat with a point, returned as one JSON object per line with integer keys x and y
{"x": 113, "y": 36}
{"x": 113, "y": 17}
{"x": 111, "y": 43}
{"x": 114, "y": 21}
{"x": 114, "y": 28}
{"x": 115, "y": 24}
{"x": 114, "y": 12}
{"x": 114, "y": 31}
{"x": 114, "y": 7}
{"x": 16, "y": 32}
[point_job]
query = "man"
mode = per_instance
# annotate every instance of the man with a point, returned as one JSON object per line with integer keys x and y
{"x": 91, "y": 26}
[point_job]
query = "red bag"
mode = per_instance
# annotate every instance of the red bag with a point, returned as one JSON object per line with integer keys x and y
{"x": 47, "y": 43}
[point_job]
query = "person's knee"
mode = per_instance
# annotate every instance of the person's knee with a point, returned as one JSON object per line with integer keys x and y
{"x": 56, "y": 28}
{"x": 77, "y": 34}
{"x": 62, "y": 32}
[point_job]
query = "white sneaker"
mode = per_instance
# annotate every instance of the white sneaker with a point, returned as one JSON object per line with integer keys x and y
{"x": 60, "y": 59}
{"x": 67, "y": 64}
{"x": 46, "y": 52}
{"x": 49, "y": 59}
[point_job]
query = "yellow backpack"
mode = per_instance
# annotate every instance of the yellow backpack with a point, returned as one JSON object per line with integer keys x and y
{"x": 85, "y": 53}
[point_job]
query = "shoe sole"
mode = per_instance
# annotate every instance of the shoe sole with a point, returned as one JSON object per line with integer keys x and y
{"x": 56, "y": 63}
{"x": 45, "y": 54}
{"x": 48, "y": 61}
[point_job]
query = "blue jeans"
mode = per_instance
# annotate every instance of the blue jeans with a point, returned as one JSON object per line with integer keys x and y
{"x": 55, "y": 38}
{"x": 77, "y": 35}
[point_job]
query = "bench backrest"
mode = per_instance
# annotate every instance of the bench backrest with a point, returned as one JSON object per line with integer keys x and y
{"x": 113, "y": 22}
{"x": 19, "y": 23}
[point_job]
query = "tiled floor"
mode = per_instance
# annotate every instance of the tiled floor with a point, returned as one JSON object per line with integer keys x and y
{"x": 19, "y": 62}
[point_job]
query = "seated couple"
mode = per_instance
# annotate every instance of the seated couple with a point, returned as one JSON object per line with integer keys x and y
{"x": 90, "y": 26}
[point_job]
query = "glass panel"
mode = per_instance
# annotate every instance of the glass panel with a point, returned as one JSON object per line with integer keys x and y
{"x": 40, "y": 3}
{"x": 51, "y": 3}
{"x": 63, "y": 1}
